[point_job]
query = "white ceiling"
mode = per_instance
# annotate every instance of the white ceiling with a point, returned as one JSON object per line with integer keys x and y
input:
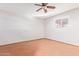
{"x": 28, "y": 9}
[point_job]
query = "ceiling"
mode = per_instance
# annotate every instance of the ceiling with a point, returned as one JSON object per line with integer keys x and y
{"x": 29, "y": 9}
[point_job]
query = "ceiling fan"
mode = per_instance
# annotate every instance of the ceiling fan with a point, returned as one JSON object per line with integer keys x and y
{"x": 44, "y": 6}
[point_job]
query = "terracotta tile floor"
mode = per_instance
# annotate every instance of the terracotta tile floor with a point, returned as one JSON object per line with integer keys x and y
{"x": 40, "y": 47}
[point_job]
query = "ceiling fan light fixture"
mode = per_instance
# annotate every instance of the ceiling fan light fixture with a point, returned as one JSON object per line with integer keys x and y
{"x": 44, "y": 6}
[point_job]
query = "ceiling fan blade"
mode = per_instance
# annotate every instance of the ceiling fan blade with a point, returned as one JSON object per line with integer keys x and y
{"x": 44, "y": 4}
{"x": 38, "y": 9}
{"x": 45, "y": 10}
{"x": 51, "y": 7}
{"x": 38, "y": 5}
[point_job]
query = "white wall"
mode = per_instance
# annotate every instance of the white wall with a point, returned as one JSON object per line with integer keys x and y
{"x": 69, "y": 33}
{"x": 14, "y": 28}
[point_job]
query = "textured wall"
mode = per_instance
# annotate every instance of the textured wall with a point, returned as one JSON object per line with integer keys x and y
{"x": 68, "y": 33}
{"x": 15, "y": 28}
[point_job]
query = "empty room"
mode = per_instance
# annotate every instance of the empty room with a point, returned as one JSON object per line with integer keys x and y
{"x": 39, "y": 29}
